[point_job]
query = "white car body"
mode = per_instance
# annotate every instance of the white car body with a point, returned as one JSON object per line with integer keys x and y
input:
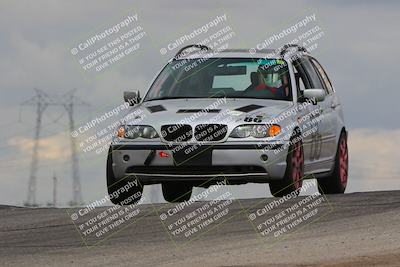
{"x": 318, "y": 122}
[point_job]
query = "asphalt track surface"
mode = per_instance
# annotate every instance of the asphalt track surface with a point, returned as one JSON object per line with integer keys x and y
{"x": 357, "y": 229}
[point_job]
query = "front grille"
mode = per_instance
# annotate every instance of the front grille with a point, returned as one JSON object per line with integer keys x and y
{"x": 210, "y": 132}
{"x": 177, "y": 132}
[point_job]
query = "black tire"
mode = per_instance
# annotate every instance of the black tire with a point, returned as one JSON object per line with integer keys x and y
{"x": 337, "y": 182}
{"x": 176, "y": 191}
{"x": 293, "y": 179}
{"x": 132, "y": 189}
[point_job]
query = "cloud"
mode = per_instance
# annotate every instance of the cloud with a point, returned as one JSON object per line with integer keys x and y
{"x": 374, "y": 156}
{"x": 53, "y": 148}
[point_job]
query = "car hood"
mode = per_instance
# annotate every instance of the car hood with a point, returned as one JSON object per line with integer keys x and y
{"x": 195, "y": 111}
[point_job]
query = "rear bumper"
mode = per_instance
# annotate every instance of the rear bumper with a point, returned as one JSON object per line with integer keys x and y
{"x": 235, "y": 162}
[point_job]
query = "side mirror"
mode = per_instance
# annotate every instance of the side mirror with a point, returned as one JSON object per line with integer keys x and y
{"x": 317, "y": 95}
{"x": 132, "y": 97}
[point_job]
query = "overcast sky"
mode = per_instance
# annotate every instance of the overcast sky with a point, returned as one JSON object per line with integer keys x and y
{"x": 359, "y": 50}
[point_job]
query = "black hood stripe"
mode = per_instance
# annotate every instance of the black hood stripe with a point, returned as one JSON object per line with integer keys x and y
{"x": 249, "y": 108}
{"x": 157, "y": 108}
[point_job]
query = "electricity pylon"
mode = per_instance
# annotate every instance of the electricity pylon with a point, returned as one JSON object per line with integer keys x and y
{"x": 54, "y": 190}
{"x": 42, "y": 101}
{"x": 69, "y": 104}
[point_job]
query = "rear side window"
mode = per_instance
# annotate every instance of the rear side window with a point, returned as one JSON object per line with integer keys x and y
{"x": 323, "y": 75}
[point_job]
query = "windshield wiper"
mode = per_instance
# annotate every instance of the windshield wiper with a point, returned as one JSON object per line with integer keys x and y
{"x": 166, "y": 97}
{"x": 174, "y": 97}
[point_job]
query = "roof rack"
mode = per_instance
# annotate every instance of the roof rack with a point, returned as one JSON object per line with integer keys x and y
{"x": 201, "y": 47}
{"x": 286, "y": 47}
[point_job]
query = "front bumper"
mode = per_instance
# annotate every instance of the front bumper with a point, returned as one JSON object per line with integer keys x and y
{"x": 244, "y": 162}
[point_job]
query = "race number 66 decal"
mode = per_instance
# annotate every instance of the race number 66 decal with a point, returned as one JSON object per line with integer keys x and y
{"x": 253, "y": 119}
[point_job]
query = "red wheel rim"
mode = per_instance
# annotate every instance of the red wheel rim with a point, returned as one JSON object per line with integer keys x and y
{"x": 297, "y": 165}
{"x": 343, "y": 161}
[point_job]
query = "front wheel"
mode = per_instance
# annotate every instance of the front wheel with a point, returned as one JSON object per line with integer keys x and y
{"x": 337, "y": 182}
{"x": 123, "y": 191}
{"x": 293, "y": 179}
{"x": 176, "y": 191}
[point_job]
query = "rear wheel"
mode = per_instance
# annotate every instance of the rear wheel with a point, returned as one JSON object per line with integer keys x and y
{"x": 337, "y": 182}
{"x": 293, "y": 179}
{"x": 176, "y": 191}
{"x": 122, "y": 191}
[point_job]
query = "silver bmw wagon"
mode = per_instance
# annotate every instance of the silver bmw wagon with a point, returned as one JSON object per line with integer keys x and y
{"x": 237, "y": 116}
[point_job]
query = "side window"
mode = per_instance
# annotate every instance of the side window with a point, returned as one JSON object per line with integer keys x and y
{"x": 311, "y": 73}
{"x": 302, "y": 81}
{"x": 323, "y": 75}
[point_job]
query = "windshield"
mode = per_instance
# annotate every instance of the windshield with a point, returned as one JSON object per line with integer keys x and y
{"x": 223, "y": 77}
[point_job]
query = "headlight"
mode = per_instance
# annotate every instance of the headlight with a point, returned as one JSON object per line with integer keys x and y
{"x": 149, "y": 132}
{"x": 135, "y": 131}
{"x": 242, "y": 131}
{"x": 255, "y": 130}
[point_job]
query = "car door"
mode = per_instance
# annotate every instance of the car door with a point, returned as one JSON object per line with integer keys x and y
{"x": 331, "y": 116}
{"x": 307, "y": 117}
{"x": 326, "y": 137}
{"x": 323, "y": 139}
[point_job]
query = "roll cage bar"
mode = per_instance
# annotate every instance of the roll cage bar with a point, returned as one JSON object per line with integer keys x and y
{"x": 180, "y": 52}
{"x": 285, "y": 49}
